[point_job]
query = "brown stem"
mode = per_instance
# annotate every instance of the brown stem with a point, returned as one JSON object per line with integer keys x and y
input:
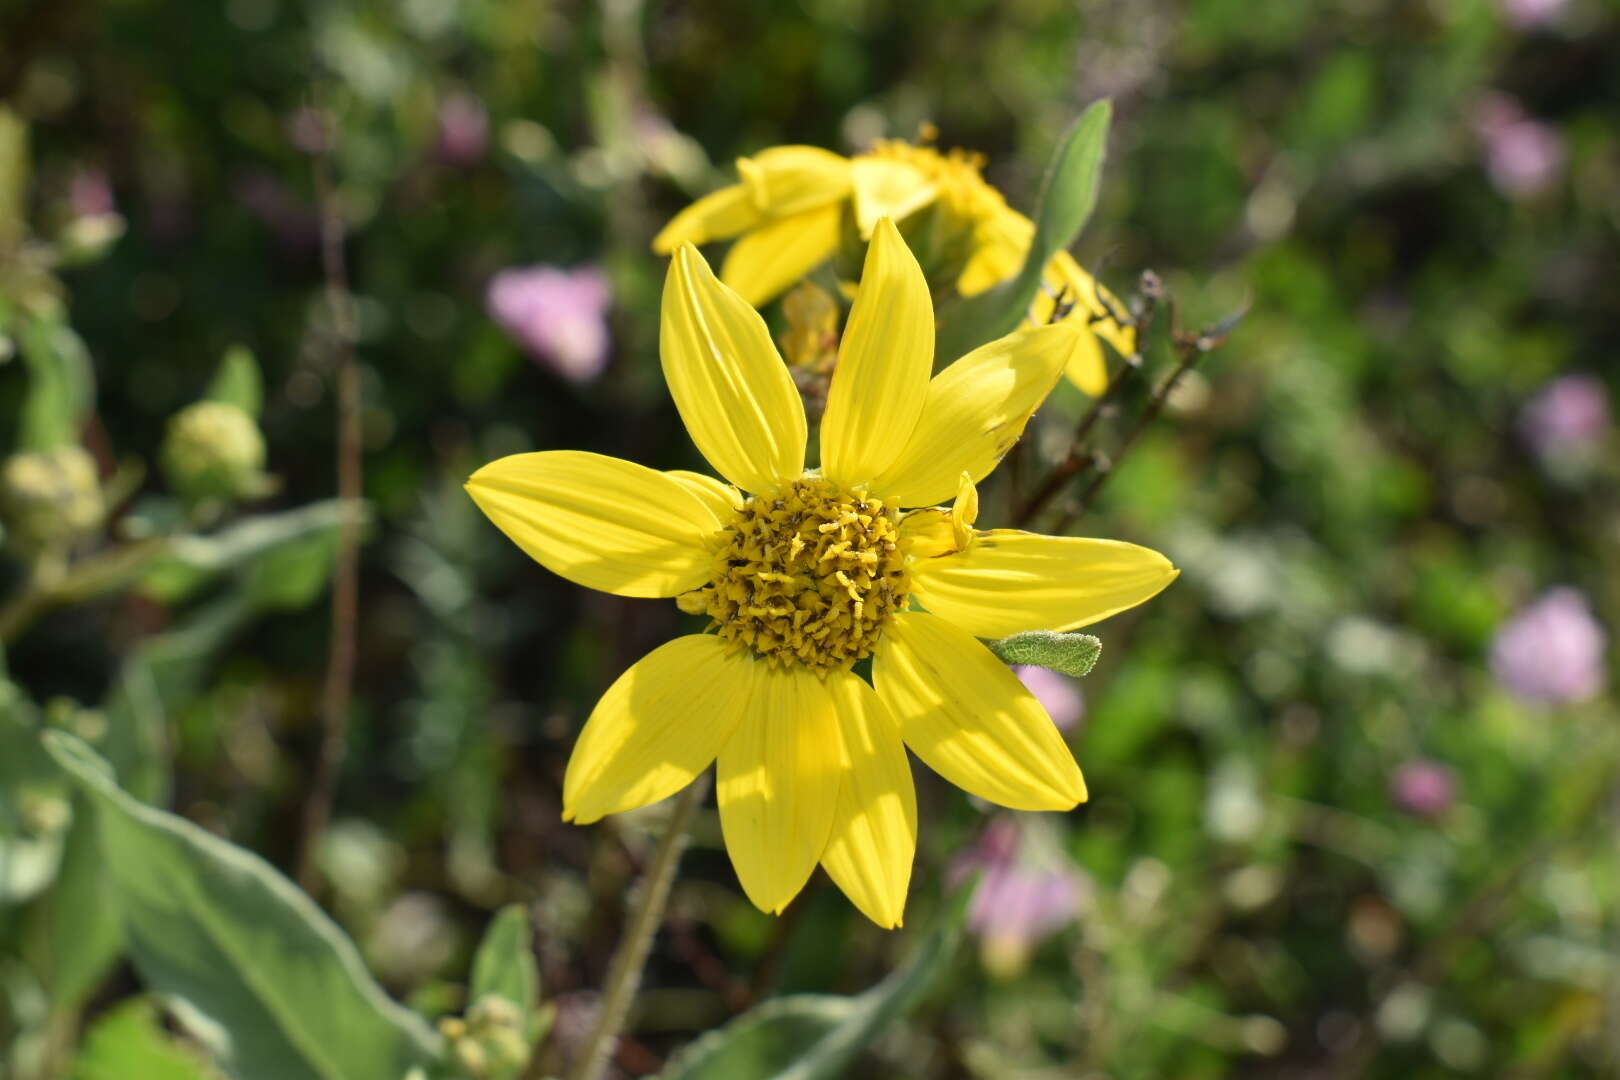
{"x": 340, "y": 662}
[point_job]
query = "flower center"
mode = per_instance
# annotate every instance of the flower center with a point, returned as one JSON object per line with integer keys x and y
{"x": 806, "y": 576}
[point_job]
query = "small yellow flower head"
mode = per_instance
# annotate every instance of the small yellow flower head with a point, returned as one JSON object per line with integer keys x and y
{"x": 213, "y": 450}
{"x": 50, "y": 497}
{"x": 804, "y": 571}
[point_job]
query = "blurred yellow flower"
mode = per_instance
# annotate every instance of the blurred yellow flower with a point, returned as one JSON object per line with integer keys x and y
{"x": 812, "y": 570}
{"x": 794, "y": 206}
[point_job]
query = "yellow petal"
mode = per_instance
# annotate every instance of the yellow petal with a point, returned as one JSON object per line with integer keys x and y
{"x": 884, "y": 359}
{"x": 1086, "y": 367}
{"x": 792, "y": 179}
{"x": 719, "y": 215}
{"x": 768, "y": 260}
{"x": 600, "y": 522}
{"x": 874, "y": 830}
{"x": 885, "y": 188}
{"x": 1000, "y": 244}
{"x": 658, "y": 726}
{"x": 974, "y": 411}
{"x": 728, "y": 381}
{"x": 778, "y": 783}
{"x": 1011, "y": 581}
{"x": 964, "y": 512}
{"x": 969, "y": 718}
{"x": 1092, "y": 303}
{"x": 717, "y": 495}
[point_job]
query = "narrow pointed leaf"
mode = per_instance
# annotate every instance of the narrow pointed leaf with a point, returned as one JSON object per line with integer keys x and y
{"x": 1072, "y": 654}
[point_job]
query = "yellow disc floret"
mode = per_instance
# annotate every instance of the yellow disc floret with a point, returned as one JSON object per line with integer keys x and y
{"x": 806, "y": 576}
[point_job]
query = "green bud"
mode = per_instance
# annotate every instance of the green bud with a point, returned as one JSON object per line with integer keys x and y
{"x": 50, "y": 497}
{"x": 214, "y": 450}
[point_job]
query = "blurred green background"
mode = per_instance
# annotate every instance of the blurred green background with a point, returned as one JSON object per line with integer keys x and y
{"x": 1353, "y": 777}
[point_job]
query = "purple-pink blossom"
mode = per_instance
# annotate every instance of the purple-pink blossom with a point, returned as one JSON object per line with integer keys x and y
{"x": 1527, "y": 14}
{"x": 1552, "y": 651}
{"x": 463, "y": 131}
{"x": 559, "y": 316}
{"x": 1523, "y": 156}
{"x": 1567, "y": 418}
{"x": 1423, "y": 788}
{"x": 1059, "y": 694}
{"x": 1027, "y": 892}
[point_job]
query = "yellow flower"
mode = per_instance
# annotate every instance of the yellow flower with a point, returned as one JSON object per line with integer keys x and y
{"x": 803, "y": 572}
{"x": 795, "y": 205}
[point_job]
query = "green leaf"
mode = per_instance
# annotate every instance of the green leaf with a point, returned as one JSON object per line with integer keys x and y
{"x": 504, "y": 964}
{"x": 1072, "y": 654}
{"x": 238, "y": 381}
{"x": 61, "y": 385}
{"x": 191, "y": 562}
{"x": 13, "y": 178}
{"x": 129, "y": 1041}
{"x": 1068, "y": 196}
{"x": 243, "y": 958}
{"x": 817, "y": 1036}
{"x": 71, "y": 933}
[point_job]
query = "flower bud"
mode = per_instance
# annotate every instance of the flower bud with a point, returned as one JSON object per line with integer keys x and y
{"x": 50, "y": 496}
{"x": 214, "y": 450}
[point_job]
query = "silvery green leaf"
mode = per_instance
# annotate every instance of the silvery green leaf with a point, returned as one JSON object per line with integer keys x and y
{"x": 1072, "y": 654}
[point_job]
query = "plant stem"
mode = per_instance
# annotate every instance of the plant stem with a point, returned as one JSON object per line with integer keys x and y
{"x": 100, "y": 573}
{"x": 339, "y": 687}
{"x": 624, "y": 972}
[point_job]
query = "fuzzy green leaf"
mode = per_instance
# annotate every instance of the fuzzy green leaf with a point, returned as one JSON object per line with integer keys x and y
{"x": 245, "y": 960}
{"x": 504, "y": 964}
{"x": 1072, "y": 654}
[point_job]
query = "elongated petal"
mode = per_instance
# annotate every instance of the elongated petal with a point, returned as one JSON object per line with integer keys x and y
{"x": 728, "y": 381}
{"x": 1000, "y": 243}
{"x": 1086, "y": 367}
{"x": 874, "y": 830}
{"x": 717, "y": 495}
{"x": 761, "y": 265}
{"x": 719, "y": 215}
{"x": 969, "y": 718}
{"x": 928, "y": 533}
{"x": 599, "y": 521}
{"x": 974, "y": 411}
{"x": 884, "y": 361}
{"x": 886, "y": 188}
{"x": 1009, "y": 581}
{"x": 778, "y": 783}
{"x": 658, "y": 726}
{"x": 1092, "y": 302}
{"x": 792, "y": 179}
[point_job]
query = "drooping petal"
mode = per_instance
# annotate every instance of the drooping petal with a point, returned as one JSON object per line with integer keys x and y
{"x": 884, "y": 360}
{"x": 886, "y": 188}
{"x": 874, "y": 830}
{"x": 969, "y": 718}
{"x": 658, "y": 726}
{"x": 1093, "y": 303}
{"x": 974, "y": 411}
{"x": 717, "y": 495}
{"x": 728, "y": 381}
{"x": 719, "y": 215}
{"x": 1000, "y": 243}
{"x": 1086, "y": 367}
{"x": 761, "y": 265}
{"x": 599, "y": 521}
{"x": 928, "y": 533}
{"x": 779, "y": 778}
{"x": 1009, "y": 581}
{"x": 788, "y": 180}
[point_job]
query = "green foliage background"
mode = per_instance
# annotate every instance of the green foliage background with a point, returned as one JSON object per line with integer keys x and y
{"x": 1344, "y": 485}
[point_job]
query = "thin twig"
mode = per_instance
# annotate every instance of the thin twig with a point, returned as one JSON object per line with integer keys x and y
{"x": 624, "y": 971}
{"x": 340, "y": 661}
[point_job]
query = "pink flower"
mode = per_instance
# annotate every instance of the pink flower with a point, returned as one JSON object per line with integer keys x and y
{"x": 1527, "y": 14}
{"x": 1027, "y": 892}
{"x": 1552, "y": 651}
{"x": 1423, "y": 788}
{"x": 1523, "y": 156}
{"x": 463, "y": 131}
{"x": 1058, "y": 693}
{"x": 90, "y": 193}
{"x": 1567, "y": 418}
{"x": 558, "y": 315}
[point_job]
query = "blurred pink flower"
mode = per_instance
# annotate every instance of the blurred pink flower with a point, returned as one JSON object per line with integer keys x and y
{"x": 1423, "y": 788}
{"x": 1526, "y": 14}
{"x": 463, "y": 131}
{"x": 1027, "y": 892}
{"x": 1567, "y": 418}
{"x": 90, "y": 193}
{"x": 1058, "y": 693}
{"x": 1523, "y": 156}
{"x": 310, "y": 130}
{"x": 1551, "y": 651}
{"x": 558, "y": 315}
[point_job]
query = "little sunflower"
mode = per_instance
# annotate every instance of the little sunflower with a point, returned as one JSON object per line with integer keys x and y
{"x": 794, "y": 207}
{"x": 812, "y": 570}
